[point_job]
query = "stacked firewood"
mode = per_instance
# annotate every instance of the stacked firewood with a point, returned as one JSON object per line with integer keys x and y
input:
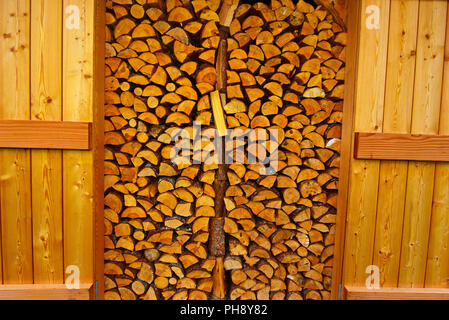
{"x": 285, "y": 75}
{"x": 286, "y": 72}
{"x": 160, "y": 69}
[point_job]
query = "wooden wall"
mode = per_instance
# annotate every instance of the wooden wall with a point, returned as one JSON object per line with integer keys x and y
{"x": 398, "y": 211}
{"x": 46, "y": 196}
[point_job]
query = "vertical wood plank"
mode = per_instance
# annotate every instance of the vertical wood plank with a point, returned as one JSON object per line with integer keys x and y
{"x": 78, "y": 173}
{"x": 98, "y": 129}
{"x": 46, "y": 16}
{"x": 362, "y": 203}
{"x": 425, "y": 119}
{"x": 353, "y": 11}
{"x": 397, "y": 119}
{"x": 437, "y": 270}
{"x": 15, "y": 189}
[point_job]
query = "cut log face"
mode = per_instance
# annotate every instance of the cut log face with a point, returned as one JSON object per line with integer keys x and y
{"x": 161, "y": 73}
{"x": 282, "y": 231}
{"x": 284, "y": 69}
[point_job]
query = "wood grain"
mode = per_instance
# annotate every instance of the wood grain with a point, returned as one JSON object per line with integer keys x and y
{"x": 425, "y": 120}
{"x": 15, "y": 188}
{"x": 45, "y": 134}
{"x": 46, "y": 94}
{"x": 217, "y": 109}
{"x": 397, "y": 146}
{"x": 78, "y": 176}
{"x": 45, "y": 67}
{"x": 437, "y": 269}
{"x": 47, "y": 217}
{"x": 397, "y": 118}
{"x": 362, "y": 293}
{"x": 362, "y": 205}
{"x": 98, "y": 143}
{"x": 346, "y": 148}
{"x": 44, "y": 292}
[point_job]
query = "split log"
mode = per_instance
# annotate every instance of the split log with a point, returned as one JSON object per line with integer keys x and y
{"x": 283, "y": 66}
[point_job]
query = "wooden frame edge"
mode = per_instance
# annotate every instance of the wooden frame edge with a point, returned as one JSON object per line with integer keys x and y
{"x": 98, "y": 143}
{"x": 45, "y": 292}
{"x": 353, "y": 14}
{"x": 362, "y": 293}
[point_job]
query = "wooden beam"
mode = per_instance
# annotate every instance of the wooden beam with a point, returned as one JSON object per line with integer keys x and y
{"x": 98, "y": 144}
{"x": 33, "y": 134}
{"x": 396, "y": 146}
{"x": 44, "y": 292}
{"x": 352, "y": 49}
{"x": 362, "y": 293}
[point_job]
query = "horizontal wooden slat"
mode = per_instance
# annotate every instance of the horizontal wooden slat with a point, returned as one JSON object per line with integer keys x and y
{"x": 44, "y": 292}
{"x": 45, "y": 134}
{"x": 362, "y": 293}
{"x": 396, "y": 146}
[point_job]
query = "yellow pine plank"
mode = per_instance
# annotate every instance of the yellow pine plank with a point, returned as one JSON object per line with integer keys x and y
{"x": 390, "y": 214}
{"x": 397, "y": 119}
{"x": 425, "y": 119}
{"x": 47, "y": 217}
{"x": 78, "y": 212}
{"x": 437, "y": 270}
{"x": 15, "y": 56}
{"x": 401, "y": 66}
{"x": 362, "y": 203}
{"x": 15, "y": 202}
{"x": 46, "y": 19}
{"x": 78, "y": 175}
{"x": 217, "y": 109}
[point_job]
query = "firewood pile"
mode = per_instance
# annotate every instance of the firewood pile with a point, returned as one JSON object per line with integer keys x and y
{"x": 283, "y": 69}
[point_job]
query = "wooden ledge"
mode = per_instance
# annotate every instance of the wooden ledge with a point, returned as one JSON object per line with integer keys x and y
{"x": 34, "y": 134}
{"x": 44, "y": 292}
{"x": 396, "y": 146}
{"x": 362, "y": 293}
